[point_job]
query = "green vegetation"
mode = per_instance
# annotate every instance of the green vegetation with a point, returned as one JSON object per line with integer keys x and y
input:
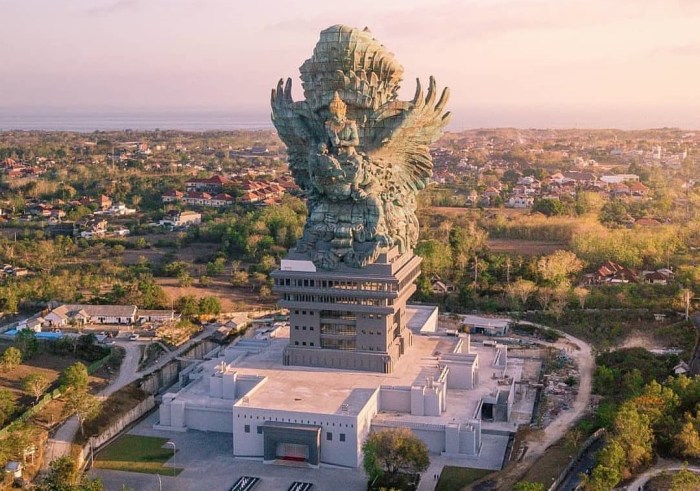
{"x": 10, "y": 359}
{"x": 134, "y": 453}
{"x": 646, "y": 412}
{"x": 452, "y": 477}
{"x": 64, "y": 475}
{"x": 392, "y": 457}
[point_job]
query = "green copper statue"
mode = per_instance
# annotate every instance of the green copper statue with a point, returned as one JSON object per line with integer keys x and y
{"x": 359, "y": 154}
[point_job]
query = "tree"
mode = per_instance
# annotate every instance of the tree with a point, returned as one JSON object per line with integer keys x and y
{"x": 65, "y": 475}
{"x": 83, "y": 404}
{"x": 26, "y": 342}
{"x": 687, "y": 441}
{"x": 187, "y": 305}
{"x": 545, "y": 296}
{"x": 581, "y": 294}
{"x": 10, "y": 359}
{"x": 184, "y": 279}
{"x": 549, "y": 207}
{"x": 557, "y": 267}
{"x": 36, "y": 385}
{"x": 560, "y": 300}
{"x": 7, "y": 405}
{"x": 608, "y": 469}
{"x": 633, "y": 431}
{"x": 685, "y": 480}
{"x": 239, "y": 278}
{"x": 75, "y": 377}
{"x": 521, "y": 289}
{"x": 216, "y": 267}
{"x": 390, "y": 452}
{"x": 209, "y": 305}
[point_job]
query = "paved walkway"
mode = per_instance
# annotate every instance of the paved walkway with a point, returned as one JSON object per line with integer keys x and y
{"x": 582, "y": 354}
{"x": 60, "y": 444}
{"x": 661, "y": 466}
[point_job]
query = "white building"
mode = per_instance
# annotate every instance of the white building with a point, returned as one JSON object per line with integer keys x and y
{"x": 176, "y": 218}
{"x": 322, "y": 416}
{"x": 95, "y": 314}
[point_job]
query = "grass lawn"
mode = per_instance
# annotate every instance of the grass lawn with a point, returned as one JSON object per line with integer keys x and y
{"x": 133, "y": 453}
{"x": 551, "y": 464}
{"x": 453, "y": 478}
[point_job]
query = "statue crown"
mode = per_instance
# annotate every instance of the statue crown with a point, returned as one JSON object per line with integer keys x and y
{"x": 337, "y": 106}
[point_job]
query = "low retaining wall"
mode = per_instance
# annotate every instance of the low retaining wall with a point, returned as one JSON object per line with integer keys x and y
{"x": 132, "y": 415}
{"x": 589, "y": 441}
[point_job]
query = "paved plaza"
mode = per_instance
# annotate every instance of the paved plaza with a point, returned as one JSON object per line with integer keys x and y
{"x": 209, "y": 465}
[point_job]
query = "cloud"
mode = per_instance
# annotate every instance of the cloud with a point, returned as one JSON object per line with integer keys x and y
{"x": 113, "y": 7}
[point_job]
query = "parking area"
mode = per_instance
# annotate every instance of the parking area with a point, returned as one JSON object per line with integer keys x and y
{"x": 208, "y": 464}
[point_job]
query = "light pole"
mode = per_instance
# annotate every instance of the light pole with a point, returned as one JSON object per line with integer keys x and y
{"x": 173, "y": 444}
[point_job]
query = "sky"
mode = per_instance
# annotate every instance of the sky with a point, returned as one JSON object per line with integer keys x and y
{"x": 519, "y": 63}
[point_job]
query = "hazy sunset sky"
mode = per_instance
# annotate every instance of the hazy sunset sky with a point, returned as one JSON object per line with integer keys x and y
{"x": 527, "y": 63}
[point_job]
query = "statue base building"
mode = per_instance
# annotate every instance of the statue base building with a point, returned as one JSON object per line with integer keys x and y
{"x": 348, "y": 318}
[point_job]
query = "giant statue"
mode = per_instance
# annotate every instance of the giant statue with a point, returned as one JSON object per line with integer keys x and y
{"x": 359, "y": 154}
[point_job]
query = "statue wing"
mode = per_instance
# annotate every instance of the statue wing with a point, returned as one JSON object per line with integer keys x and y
{"x": 403, "y": 132}
{"x": 294, "y": 122}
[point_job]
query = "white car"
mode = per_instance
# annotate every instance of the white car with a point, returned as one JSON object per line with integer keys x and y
{"x": 134, "y": 337}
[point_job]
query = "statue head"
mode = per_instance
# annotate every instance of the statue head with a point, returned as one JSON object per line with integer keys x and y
{"x": 337, "y": 107}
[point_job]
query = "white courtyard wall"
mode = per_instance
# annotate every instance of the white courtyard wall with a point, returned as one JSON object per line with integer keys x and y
{"x": 333, "y": 451}
{"x": 395, "y": 399}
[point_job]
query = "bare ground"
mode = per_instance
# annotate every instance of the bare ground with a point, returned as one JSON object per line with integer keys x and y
{"x": 523, "y": 247}
{"x": 232, "y": 299}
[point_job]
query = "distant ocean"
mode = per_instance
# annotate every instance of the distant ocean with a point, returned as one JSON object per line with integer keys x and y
{"x": 89, "y": 121}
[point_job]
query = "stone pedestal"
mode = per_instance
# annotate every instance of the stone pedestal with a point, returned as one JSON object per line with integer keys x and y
{"x": 352, "y": 318}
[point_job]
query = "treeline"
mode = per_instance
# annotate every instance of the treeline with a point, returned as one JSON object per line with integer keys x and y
{"x": 256, "y": 234}
{"x": 646, "y": 412}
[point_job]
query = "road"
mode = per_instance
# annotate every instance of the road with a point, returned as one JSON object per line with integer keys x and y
{"x": 538, "y": 442}
{"x": 586, "y": 463}
{"x": 583, "y": 356}
{"x": 661, "y": 466}
{"x": 60, "y": 444}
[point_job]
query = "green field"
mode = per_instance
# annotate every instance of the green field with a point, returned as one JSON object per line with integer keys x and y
{"x": 453, "y": 478}
{"x": 133, "y": 453}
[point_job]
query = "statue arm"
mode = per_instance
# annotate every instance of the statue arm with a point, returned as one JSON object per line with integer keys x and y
{"x": 354, "y": 139}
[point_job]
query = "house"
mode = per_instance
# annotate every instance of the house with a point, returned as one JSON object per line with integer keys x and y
{"x": 120, "y": 209}
{"x": 490, "y": 194}
{"x": 196, "y": 198}
{"x": 93, "y": 227}
{"x": 639, "y": 190}
{"x": 96, "y": 314}
{"x": 177, "y": 218}
{"x": 156, "y": 316}
{"x": 580, "y": 178}
{"x": 491, "y": 326}
{"x": 681, "y": 369}
{"x": 33, "y": 324}
{"x": 221, "y": 199}
{"x": 172, "y": 196}
{"x": 213, "y": 184}
{"x": 440, "y": 288}
{"x": 658, "y": 277}
{"x": 620, "y": 178}
{"x": 520, "y": 201}
{"x": 619, "y": 190}
{"x": 611, "y": 273}
{"x": 104, "y": 202}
